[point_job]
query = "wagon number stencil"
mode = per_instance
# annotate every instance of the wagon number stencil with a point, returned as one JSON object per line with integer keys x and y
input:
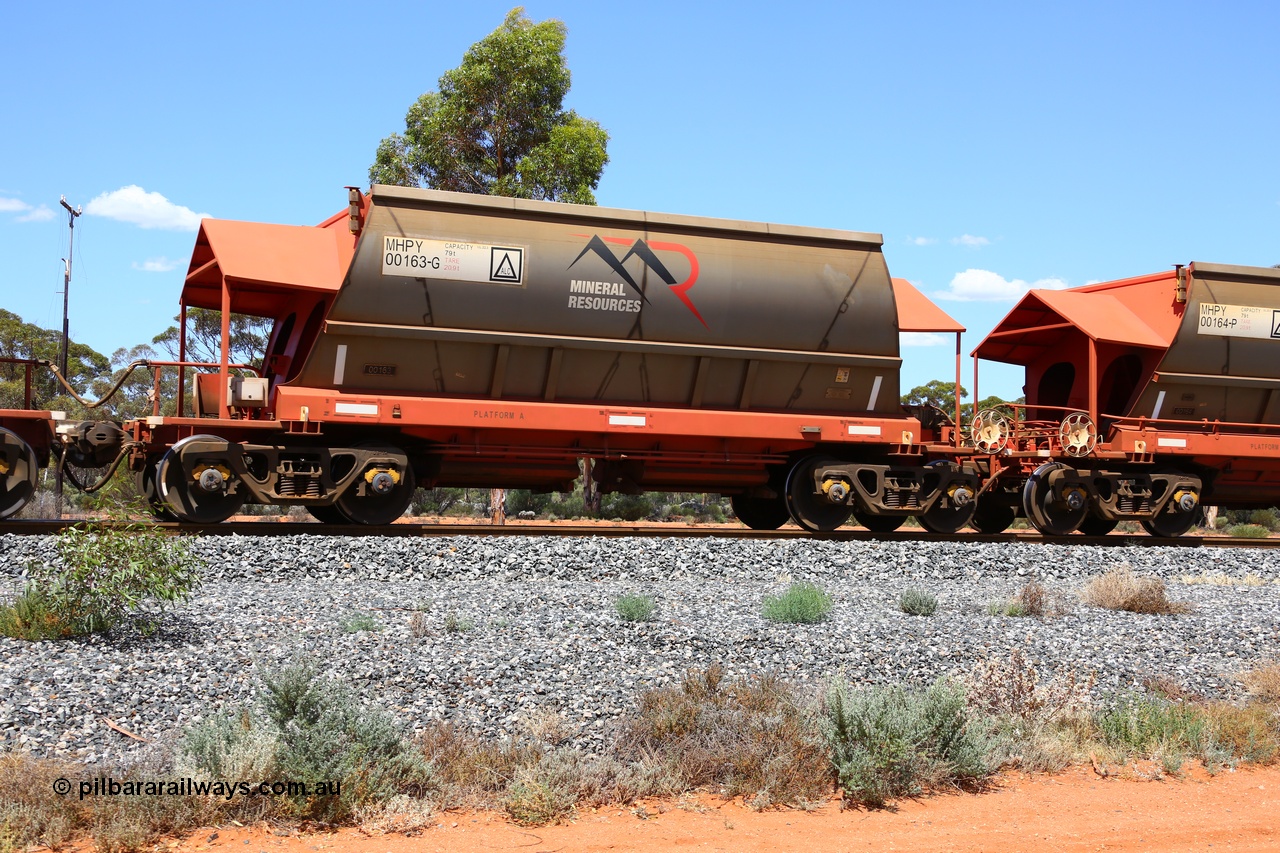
{"x": 1238, "y": 321}
{"x": 420, "y": 258}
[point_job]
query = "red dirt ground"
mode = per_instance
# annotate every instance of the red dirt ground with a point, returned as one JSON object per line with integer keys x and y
{"x": 1073, "y": 811}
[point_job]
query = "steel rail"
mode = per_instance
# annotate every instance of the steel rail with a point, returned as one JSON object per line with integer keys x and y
{"x": 613, "y": 531}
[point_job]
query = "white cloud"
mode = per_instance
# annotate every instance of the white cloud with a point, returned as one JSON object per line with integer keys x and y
{"x": 160, "y": 264}
{"x": 971, "y": 241}
{"x": 42, "y": 213}
{"x": 136, "y": 206}
{"x": 985, "y": 286}
{"x": 29, "y": 213}
{"x": 922, "y": 241}
{"x": 923, "y": 339}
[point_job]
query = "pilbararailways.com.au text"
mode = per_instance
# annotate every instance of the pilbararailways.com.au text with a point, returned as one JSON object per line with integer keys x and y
{"x": 107, "y": 786}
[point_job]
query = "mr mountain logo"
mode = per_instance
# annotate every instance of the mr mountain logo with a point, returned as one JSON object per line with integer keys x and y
{"x": 647, "y": 253}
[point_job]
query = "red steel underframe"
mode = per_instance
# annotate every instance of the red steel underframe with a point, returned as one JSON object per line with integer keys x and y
{"x": 493, "y": 425}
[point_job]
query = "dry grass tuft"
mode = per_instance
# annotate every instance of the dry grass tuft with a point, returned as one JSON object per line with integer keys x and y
{"x": 1263, "y": 683}
{"x": 1121, "y": 589}
{"x": 746, "y": 737}
{"x": 1034, "y": 599}
{"x": 1223, "y": 579}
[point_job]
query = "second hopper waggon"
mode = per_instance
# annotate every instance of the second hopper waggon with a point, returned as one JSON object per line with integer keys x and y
{"x": 1146, "y": 399}
{"x": 429, "y": 338}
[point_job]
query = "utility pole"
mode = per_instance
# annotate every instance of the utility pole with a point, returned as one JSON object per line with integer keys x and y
{"x": 72, "y": 213}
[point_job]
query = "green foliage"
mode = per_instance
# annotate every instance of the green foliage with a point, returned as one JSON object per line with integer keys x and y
{"x": 635, "y": 608}
{"x": 357, "y": 622}
{"x": 1268, "y": 518}
{"x": 248, "y": 341}
{"x": 323, "y": 733}
{"x": 941, "y": 395}
{"x": 455, "y": 624}
{"x": 802, "y": 603}
{"x": 533, "y": 802}
{"x": 626, "y": 507}
{"x": 887, "y": 742}
{"x": 1143, "y": 726}
{"x": 27, "y": 340}
{"x": 497, "y": 125}
{"x": 917, "y": 602}
{"x": 1248, "y": 531}
{"x": 105, "y": 577}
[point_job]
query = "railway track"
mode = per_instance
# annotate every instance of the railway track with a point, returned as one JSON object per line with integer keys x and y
{"x": 308, "y": 528}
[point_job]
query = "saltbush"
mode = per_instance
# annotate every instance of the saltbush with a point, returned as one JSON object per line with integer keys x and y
{"x": 917, "y": 602}
{"x": 635, "y": 608}
{"x": 889, "y": 742}
{"x": 802, "y": 603}
{"x": 315, "y": 730}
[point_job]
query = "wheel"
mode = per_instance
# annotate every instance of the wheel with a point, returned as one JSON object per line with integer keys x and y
{"x": 145, "y": 480}
{"x": 1183, "y": 511}
{"x": 809, "y": 509}
{"x": 1095, "y": 526}
{"x": 196, "y": 484}
{"x": 18, "y": 470}
{"x": 1173, "y": 521}
{"x": 760, "y": 513}
{"x": 386, "y": 494}
{"x": 946, "y": 515}
{"x": 328, "y": 514}
{"x": 1049, "y": 512}
{"x": 992, "y": 516}
{"x": 879, "y": 523}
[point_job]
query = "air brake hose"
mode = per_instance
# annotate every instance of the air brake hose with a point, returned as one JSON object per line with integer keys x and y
{"x": 128, "y": 371}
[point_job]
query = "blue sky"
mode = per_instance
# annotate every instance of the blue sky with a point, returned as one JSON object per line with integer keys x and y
{"x": 996, "y": 146}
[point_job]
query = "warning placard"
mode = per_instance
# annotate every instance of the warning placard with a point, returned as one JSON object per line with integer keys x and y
{"x": 479, "y": 262}
{"x": 1239, "y": 321}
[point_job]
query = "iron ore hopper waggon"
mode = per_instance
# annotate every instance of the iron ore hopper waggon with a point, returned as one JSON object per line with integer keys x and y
{"x": 428, "y": 338}
{"x": 1146, "y": 399}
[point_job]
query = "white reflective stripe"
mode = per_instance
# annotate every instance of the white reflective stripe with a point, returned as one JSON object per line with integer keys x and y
{"x": 356, "y": 408}
{"x": 1155, "y": 415}
{"x": 855, "y": 429}
{"x": 875, "y": 392}
{"x": 1171, "y": 442}
{"x": 626, "y": 420}
{"x": 340, "y": 364}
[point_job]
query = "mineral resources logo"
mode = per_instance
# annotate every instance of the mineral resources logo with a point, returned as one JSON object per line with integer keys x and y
{"x": 610, "y": 295}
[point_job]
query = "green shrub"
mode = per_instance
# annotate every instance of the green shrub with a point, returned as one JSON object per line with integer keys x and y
{"x": 455, "y": 624}
{"x": 1141, "y": 726}
{"x": 357, "y": 622}
{"x": 887, "y": 742}
{"x": 917, "y": 602}
{"x": 635, "y": 608}
{"x": 802, "y": 603}
{"x": 103, "y": 578}
{"x": 1248, "y": 531}
{"x": 1264, "y": 518}
{"x": 324, "y": 734}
